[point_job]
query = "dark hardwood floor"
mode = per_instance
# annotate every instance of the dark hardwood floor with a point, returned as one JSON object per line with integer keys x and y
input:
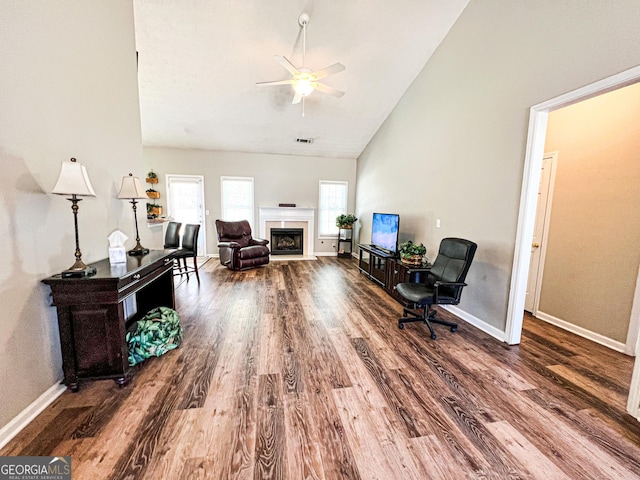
{"x": 297, "y": 370}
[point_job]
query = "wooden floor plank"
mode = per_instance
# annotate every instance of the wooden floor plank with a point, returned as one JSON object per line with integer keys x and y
{"x": 533, "y": 460}
{"x": 270, "y": 456}
{"x": 304, "y": 459}
{"x": 367, "y": 449}
{"x": 595, "y": 388}
{"x": 298, "y": 370}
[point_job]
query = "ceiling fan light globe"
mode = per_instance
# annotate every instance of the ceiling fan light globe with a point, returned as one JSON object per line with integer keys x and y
{"x": 303, "y": 87}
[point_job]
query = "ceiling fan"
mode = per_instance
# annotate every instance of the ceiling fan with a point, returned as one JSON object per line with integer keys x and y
{"x": 304, "y": 81}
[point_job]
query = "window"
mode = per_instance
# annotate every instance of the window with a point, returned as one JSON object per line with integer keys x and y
{"x": 333, "y": 202}
{"x": 237, "y": 199}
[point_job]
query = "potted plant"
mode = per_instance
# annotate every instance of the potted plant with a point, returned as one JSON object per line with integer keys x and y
{"x": 412, "y": 254}
{"x": 153, "y": 210}
{"x": 152, "y": 177}
{"x": 151, "y": 193}
{"x": 345, "y": 220}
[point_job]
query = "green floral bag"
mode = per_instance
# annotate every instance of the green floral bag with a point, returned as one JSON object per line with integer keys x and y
{"x": 155, "y": 334}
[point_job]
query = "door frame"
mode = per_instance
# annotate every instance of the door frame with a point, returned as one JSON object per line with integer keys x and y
{"x": 203, "y": 226}
{"x": 536, "y": 135}
{"x": 553, "y": 160}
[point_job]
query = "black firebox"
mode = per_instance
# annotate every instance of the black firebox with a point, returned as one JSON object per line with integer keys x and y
{"x": 286, "y": 241}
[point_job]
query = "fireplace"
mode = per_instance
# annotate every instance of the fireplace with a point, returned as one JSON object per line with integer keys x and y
{"x": 286, "y": 241}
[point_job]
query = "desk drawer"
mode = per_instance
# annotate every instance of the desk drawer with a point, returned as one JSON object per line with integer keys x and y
{"x": 129, "y": 281}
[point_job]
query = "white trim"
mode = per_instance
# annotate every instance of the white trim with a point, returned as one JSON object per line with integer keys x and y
{"x": 27, "y": 415}
{"x": 476, "y": 322}
{"x": 531, "y": 177}
{"x": 526, "y": 222}
{"x": 634, "y": 321}
{"x": 633, "y": 402}
{"x": 582, "y": 332}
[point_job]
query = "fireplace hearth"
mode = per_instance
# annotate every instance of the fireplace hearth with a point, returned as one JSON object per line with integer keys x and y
{"x": 286, "y": 241}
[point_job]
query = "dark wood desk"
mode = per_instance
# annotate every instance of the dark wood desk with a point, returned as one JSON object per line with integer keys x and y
{"x": 95, "y": 312}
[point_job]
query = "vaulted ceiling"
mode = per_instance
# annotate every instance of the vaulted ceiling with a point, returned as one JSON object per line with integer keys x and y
{"x": 199, "y": 62}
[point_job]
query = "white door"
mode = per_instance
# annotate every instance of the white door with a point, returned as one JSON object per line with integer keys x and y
{"x": 538, "y": 241}
{"x": 185, "y": 203}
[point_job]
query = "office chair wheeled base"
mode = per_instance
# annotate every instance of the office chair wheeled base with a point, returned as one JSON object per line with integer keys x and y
{"x": 427, "y": 316}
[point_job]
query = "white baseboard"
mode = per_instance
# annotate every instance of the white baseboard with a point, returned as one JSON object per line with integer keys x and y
{"x": 476, "y": 322}
{"x": 325, "y": 254}
{"x": 25, "y": 417}
{"x": 583, "y": 332}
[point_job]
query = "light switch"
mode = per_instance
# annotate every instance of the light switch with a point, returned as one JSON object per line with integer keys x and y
{"x": 437, "y": 223}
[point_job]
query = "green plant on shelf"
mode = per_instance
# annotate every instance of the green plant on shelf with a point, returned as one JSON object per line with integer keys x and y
{"x": 152, "y": 174}
{"x": 410, "y": 251}
{"x": 345, "y": 220}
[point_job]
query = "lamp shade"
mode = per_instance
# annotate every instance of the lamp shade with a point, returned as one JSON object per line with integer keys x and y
{"x": 131, "y": 188}
{"x": 73, "y": 180}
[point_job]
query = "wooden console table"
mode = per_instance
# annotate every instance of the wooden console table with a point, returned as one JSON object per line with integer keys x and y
{"x": 387, "y": 270}
{"x": 95, "y": 312}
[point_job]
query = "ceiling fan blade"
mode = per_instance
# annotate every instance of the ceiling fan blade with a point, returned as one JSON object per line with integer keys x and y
{"x": 327, "y": 89}
{"x": 296, "y": 99}
{"x": 286, "y": 64}
{"x": 330, "y": 70}
{"x": 277, "y": 82}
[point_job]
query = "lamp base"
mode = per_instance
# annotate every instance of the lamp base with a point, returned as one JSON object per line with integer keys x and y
{"x": 85, "y": 272}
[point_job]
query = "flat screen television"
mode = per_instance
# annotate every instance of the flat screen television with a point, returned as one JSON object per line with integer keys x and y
{"x": 384, "y": 231}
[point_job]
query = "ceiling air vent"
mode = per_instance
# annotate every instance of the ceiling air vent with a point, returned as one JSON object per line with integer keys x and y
{"x": 304, "y": 140}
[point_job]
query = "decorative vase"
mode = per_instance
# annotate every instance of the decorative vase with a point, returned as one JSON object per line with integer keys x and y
{"x": 346, "y": 227}
{"x": 153, "y": 194}
{"x": 412, "y": 260}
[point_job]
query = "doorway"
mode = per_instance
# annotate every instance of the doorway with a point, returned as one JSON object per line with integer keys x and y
{"x": 540, "y": 230}
{"x": 538, "y": 117}
{"x": 185, "y": 203}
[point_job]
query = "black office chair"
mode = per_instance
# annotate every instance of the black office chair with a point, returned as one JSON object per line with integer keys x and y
{"x": 172, "y": 235}
{"x": 443, "y": 285}
{"x": 189, "y": 250}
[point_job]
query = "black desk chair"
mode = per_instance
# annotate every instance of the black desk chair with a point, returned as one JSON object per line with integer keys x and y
{"x": 172, "y": 235}
{"x": 443, "y": 285}
{"x": 189, "y": 250}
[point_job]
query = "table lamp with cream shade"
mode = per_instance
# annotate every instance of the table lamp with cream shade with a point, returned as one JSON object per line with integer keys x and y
{"x": 131, "y": 189}
{"x": 73, "y": 180}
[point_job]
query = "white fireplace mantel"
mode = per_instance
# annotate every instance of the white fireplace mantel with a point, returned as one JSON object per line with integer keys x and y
{"x": 289, "y": 214}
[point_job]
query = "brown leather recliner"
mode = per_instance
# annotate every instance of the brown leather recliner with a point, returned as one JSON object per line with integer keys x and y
{"x": 238, "y": 249}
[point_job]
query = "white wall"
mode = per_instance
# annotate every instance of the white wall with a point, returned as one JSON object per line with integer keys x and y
{"x": 68, "y": 88}
{"x": 454, "y": 146}
{"x": 277, "y": 179}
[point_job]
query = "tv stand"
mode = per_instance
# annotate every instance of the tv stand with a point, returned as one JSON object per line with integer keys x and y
{"x": 387, "y": 270}
{"x": 373, "y": 263}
